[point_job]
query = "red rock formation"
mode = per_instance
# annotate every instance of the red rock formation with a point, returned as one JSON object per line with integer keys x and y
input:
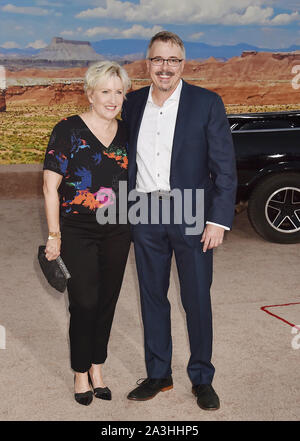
{"x": 75, "y": 72}
{"x": 247, "y": 53}
{"x": 254, "y": 78}
{"x": 137, "y": 69}
{"x": 47, "y": 95}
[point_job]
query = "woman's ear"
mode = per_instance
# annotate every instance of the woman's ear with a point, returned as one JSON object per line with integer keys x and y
{"x": 89, "y": 94}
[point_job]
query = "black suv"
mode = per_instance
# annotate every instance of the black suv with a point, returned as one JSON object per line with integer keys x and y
{"x": 267, "y": 147}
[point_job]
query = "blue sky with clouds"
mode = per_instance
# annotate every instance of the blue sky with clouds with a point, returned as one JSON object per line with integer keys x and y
{"x": 263, "y": 23}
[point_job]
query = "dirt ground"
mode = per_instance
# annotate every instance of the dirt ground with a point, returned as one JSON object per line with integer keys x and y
{"x": 256, "y": 354}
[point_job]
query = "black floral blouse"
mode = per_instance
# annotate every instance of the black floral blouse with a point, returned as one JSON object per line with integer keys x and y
{"x": 91, "y": 172}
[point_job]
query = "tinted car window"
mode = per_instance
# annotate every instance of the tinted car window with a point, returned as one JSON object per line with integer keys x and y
{"x": 261, "y": 125}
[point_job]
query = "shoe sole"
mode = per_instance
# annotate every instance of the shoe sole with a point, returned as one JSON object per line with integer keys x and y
{"x": 164, "y": 389}
{"x": 203, "y": 407}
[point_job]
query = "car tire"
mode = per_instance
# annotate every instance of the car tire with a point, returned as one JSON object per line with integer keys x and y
{"x": 274, "y": 208}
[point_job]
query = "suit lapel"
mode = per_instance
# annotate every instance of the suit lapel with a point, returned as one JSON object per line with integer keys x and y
{"x": 182, "y": 115}
{"x": 139, "y": 112}
{"x": 135, "y": 125}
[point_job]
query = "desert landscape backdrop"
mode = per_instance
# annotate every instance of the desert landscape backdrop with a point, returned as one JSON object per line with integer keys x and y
{"x": 37, "y": 96}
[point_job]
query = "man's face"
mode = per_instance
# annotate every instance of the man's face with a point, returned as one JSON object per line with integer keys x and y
{"x": 165, "y": 78}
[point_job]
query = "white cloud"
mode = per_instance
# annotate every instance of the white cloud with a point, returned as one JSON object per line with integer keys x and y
{"x": 101, "y": 30}
{"x": 37, "y": 44}
{"x": 136, "y": 31}
{"x": 228, "y": 12}
{"x": 71, "y": 33}
{"x": 25, "y": 10}
{"x": 67, "y": 33}
{"x": 251, "y": 15}
{"x": 258, "y": 16}
{"x": 196, "y": 36}
{"x": 10, "y": 45}
{"x": 284, "y": 19}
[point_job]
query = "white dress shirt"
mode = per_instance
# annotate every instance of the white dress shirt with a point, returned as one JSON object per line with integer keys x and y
{"x": 155, "y": 141}
{"x": 154, "y": 145}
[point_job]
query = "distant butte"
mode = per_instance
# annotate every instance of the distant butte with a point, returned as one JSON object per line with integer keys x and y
{"x": 61, "y": 49}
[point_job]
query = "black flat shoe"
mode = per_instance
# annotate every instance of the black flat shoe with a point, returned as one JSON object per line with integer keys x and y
{"x": 149, "y": 388}
{"x": 104, "y": 393}
{"x": 84, "y": 398}
{"x": 207, "y": 399}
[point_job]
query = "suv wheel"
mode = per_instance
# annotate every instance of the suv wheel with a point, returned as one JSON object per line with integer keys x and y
{"x": 274, "y": 208}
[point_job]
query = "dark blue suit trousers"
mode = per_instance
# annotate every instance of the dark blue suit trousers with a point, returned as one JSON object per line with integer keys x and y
{"x": 154, "y": 246}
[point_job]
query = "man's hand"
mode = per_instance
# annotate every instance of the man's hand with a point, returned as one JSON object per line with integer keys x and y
{"x": 212, "y": 236}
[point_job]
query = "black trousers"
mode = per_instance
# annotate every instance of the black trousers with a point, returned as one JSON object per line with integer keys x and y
{"x": 95, "y": 256}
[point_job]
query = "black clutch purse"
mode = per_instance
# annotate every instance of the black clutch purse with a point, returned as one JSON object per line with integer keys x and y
{"x": 55, "y": 271}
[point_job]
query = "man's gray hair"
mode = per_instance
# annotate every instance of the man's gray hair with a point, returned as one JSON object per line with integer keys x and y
{"x": 166, "y": 36}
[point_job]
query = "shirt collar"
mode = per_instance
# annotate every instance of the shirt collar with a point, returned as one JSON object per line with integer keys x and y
{"x": 174, "y": 97}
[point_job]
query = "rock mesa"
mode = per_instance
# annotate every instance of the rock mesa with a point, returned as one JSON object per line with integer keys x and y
{"x": 61, "y": 49}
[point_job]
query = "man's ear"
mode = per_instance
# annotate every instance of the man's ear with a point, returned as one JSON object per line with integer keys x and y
{"x": 148, "y": 65}
{"x": 183, "y": 64}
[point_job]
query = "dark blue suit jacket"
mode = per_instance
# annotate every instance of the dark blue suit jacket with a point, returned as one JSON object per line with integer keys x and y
{"x": 202, "y": 154}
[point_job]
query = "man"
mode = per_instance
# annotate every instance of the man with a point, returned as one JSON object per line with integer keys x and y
{"x": 179, "y": 139}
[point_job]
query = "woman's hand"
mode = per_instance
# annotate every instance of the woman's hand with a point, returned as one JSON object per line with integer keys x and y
{"x": 53, "y": 248}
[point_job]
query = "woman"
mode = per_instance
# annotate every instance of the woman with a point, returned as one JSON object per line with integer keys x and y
{"x": 85, "y": 160}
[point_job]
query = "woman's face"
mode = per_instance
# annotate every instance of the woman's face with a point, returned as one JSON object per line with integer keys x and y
{"x": 107, "y": 98}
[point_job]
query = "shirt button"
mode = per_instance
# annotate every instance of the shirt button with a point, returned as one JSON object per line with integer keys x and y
{"x": 158, "y": 175}
{"x": 160, "y": 113}
{"x": 158, "y": 133}
{"x": 157, "y": 154}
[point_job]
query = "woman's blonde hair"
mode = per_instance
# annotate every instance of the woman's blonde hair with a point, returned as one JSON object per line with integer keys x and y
{"x": 102, "y": 70}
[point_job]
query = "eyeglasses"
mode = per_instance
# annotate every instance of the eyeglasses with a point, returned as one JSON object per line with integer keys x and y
{"x": 158, "y": 61}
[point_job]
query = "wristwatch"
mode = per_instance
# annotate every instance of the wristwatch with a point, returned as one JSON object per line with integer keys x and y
{"x": 56, "y": 235}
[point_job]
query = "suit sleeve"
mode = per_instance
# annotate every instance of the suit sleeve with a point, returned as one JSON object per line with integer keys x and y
{"x": 222, "y": 165}
{"x": 124, "y": 114}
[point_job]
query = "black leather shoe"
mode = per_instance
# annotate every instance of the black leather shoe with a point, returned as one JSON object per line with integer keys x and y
{"x": 84, "y": 398}
{"x": 104, "y": 393}
{"x": 207, "y": 398}
{"x": 149, "y": 388}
